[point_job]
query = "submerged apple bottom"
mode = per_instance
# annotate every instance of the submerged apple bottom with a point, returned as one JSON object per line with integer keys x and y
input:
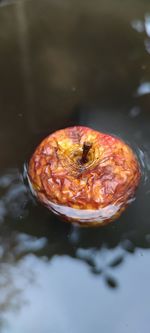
{"x": 86, "y": 217}
{"x": 82, "y": 217}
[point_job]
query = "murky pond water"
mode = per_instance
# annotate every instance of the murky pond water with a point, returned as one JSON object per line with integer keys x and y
{"x": 64, "y": 63}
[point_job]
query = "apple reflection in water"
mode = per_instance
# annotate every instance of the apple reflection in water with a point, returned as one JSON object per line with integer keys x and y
{"x": 84, "y": 176}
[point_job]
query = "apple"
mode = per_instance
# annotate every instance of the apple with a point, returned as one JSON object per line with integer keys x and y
{"x": 84, "y": 176}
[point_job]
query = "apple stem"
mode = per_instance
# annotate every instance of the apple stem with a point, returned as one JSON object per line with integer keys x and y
{"x": 86, "y": 147}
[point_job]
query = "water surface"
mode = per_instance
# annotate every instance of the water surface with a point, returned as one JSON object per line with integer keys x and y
{"x": 66, "y": 63}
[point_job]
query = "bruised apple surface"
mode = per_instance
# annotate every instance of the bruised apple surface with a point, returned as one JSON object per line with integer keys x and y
{"x": 84, "y": 176}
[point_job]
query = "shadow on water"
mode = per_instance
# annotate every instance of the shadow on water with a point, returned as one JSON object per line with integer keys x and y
{"x": 71, "y": 63}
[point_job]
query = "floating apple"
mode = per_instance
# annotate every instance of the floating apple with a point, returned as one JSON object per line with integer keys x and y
{"x": 84, "y": 176}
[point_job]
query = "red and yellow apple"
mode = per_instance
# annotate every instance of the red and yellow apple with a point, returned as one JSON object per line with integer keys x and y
{"x": 84, "y": 176}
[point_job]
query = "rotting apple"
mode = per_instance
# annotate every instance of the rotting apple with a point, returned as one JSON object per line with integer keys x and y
{"x": 84, "y": 176}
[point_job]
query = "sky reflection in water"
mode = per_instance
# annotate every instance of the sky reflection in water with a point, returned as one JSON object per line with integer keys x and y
{"x": 55, "y": 294}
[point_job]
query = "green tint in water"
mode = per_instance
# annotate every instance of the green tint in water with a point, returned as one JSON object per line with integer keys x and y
{"x": 64, "y": 63}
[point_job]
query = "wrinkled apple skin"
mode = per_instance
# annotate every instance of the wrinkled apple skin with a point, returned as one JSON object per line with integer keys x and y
{"x": 91, "y": 193}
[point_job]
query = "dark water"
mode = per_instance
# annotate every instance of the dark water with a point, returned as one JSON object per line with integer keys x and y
{"x": 62, "y": 63}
